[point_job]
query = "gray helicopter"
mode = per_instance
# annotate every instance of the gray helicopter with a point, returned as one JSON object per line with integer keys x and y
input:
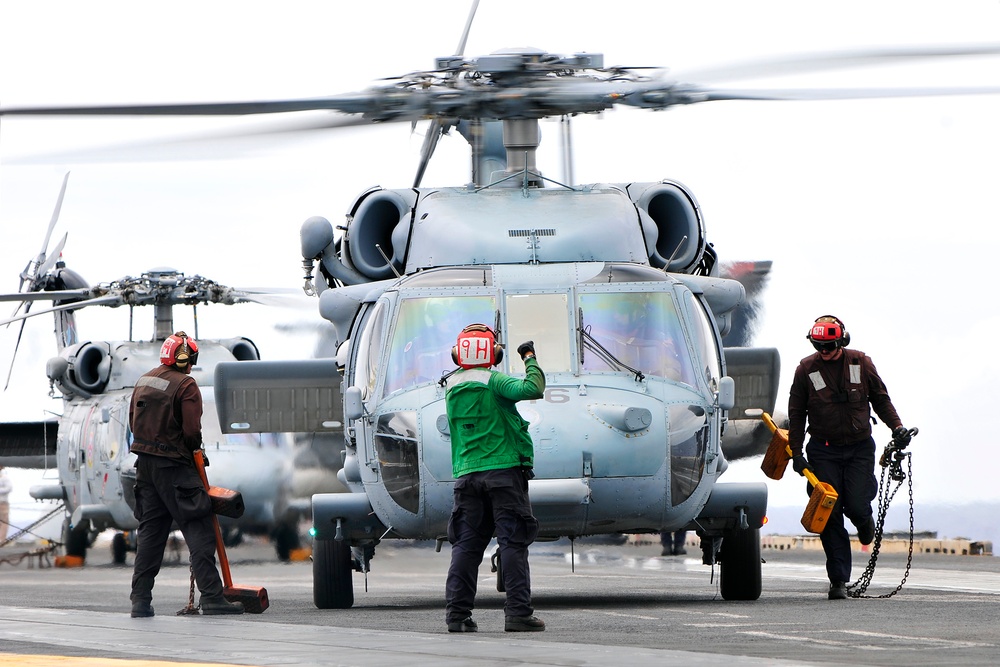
{"x": 89, "y": 441}
{"x": 617, "y": 284}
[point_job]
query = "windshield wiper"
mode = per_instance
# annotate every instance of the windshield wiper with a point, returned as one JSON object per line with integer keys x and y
{"x": 591, "y": 344}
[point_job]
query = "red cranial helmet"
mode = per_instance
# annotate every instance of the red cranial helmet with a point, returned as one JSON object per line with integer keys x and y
{"x": 477, "y": 347}
{"x": 179, "y": 350}
{"x": 828, "y": 333}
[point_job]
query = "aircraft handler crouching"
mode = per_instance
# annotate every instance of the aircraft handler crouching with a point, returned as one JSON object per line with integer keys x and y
{"x": 833, "y": 389}
{"x": 492, "y": 458}
{"x": 165, "y": 418}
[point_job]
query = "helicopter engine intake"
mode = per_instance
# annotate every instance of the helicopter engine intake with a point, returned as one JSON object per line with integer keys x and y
{"x": 381, "y": 222}
{"x": 82, "y": 369}
{"x": 672, "y": 223}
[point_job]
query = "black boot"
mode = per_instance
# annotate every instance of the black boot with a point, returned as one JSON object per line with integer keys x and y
{"x": 220, "y": 605}
{"x": 866, "y": 531}
{"x": 838, "y": 591}
{"x": 142, "y": 598}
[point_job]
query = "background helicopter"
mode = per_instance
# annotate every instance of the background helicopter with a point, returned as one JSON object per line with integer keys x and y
{"x": 88, "y": 441}
{"x": 710, "y": 146}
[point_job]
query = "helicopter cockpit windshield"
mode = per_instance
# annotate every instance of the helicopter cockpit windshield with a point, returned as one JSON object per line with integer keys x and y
{"x": 425, "y": 331}
{"x": 637, "y": 330}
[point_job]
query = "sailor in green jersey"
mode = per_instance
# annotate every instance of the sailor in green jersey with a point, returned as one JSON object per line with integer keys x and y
{"x": 492, "y": 459}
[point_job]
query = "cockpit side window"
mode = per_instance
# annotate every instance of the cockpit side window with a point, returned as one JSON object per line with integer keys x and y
{"x": 639, "y": 329}
{"x": 704, "y": 340}
{"x": 369, "y": 346}
{"x": 424, "y": 333}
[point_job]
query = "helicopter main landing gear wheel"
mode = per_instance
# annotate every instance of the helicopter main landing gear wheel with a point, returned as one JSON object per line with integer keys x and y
{"x": 333, "y": 565}
{"x": 76, "y": 539}
{"x": 119, "y": 547}
{"x": 286, "y": 539}
{"x": 739, "y": 569}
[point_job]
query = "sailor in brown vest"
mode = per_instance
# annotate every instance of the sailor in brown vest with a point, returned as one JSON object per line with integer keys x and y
{"x": 165, "y": 418}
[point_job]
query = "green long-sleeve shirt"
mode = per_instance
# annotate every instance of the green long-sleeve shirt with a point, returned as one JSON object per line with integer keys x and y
{"x": 487, "y": 433}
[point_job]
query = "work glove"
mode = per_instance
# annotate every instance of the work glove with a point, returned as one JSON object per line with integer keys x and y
{"x": 800, "y": 465}
{"x": 524, "y": 348}
{"x": 901, "y": 436}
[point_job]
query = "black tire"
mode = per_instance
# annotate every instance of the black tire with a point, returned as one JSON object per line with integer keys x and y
{"x": 119, "y": 547}
{"x": 333, "y": 587}
{"x": 286, "y": 538}
{"x": 739, "y": 569}
{"x": 76, "y": 540}
{"x": 232, "y": 536}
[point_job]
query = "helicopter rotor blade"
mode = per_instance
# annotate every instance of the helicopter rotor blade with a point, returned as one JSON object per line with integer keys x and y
{"x": 53, "y": 257}
{"x": 816, "y": 94}
{"x": 17, "y": 345}
{"x": 357, "y": 103}
{"x": 55, "y": 216}
{"x": 38, "y": 267}
{"x": 437, "y": 128}
{"x": 833, "y": 60}
{"x": 108, "y": 300}
{"x": 215, "y": 145}
{"x": 54, "y": 295}
{"x": 532, "y": 85}
{"x": 460, "y": 50}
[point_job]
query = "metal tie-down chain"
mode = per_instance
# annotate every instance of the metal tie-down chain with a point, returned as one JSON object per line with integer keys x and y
{"x": 892, "y": 467}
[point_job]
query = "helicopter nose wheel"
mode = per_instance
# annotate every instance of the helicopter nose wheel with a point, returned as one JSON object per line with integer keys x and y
{"x": 497, "y": 566}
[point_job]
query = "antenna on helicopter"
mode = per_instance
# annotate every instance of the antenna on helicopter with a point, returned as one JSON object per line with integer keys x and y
{"x": 673, "y": 255}
{"x": 388, "y": 262}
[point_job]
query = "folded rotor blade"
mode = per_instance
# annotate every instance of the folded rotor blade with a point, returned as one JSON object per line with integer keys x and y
{"x": 54, "y": 219}
{"x": 52, "y": 258}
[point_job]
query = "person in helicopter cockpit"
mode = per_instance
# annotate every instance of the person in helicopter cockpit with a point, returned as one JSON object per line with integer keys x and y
{"x": 833, "y": 390}
{"x": 492, "y": 460}
{"x": 165, "y": 418}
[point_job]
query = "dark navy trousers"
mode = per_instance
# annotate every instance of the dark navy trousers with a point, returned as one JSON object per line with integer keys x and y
{"x": 169, "y": 493}
{"x": 850, "y": 470}
{"x": 487, "y": 503}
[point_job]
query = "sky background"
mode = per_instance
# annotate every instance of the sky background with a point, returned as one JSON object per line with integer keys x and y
{"x": 882, "y": 212}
